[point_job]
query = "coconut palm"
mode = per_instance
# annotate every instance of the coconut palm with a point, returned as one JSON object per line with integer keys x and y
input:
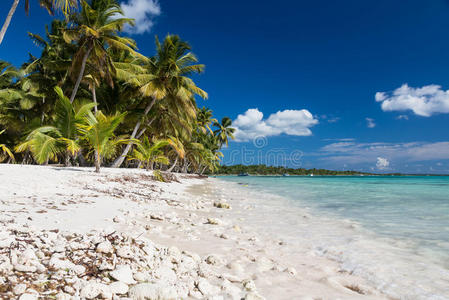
{"x": 99, "y": 133}
{"x": 96, "y": 28}
{"x": 164, "y": 76}
{"x": 7, "y": 73}
{"x": 176, "y": 150}
{"x": 149, "y": 153}
{"x": 204, "y": 119}
{"x": 65, "y": 5}
{"x": 61, "y": 138}
{"x": 224, "y": 130}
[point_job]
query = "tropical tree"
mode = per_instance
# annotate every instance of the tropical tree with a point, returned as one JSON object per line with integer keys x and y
{"x": 62, "y": 137}
{"x": 150, "y": 153}
{"x": 224, "y": 130}
{"x": 7, "y": 73}
{"x": 164, "y": 76}
{"x": 176, "y": 150}
{"x": 204, "y": 119}
{"x": 99, "y": 133}
{"x": 86, "y": 56}
{"x": 64, "y": 5}
{"x": 96, "y": 28}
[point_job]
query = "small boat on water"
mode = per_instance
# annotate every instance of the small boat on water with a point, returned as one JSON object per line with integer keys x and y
{"x": 311, "y": 175}
{"x": 243, "y": 174}
{"x": 285, "y": 174}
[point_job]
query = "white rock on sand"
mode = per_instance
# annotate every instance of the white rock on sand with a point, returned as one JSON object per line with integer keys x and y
{"x": 124, "y": 274}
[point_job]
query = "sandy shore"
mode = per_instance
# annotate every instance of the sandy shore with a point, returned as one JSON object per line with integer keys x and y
{"x": 69, "y": 233}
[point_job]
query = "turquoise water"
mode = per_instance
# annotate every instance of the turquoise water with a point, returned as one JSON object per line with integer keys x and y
{"x": 407, "y": 217}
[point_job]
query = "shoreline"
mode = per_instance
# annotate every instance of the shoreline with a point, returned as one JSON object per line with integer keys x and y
{"x": 197, "y": 232}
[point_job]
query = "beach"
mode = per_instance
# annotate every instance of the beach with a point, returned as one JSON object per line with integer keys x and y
{"x": 70, "y": 233}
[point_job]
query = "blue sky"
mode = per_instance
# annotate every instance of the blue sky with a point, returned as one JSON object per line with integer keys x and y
{"x": 300, "y": 78}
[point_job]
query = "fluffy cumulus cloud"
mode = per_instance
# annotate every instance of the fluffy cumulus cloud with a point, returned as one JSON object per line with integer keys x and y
{"x": 143, "y": 12}
{"x": 380, "y": 155}
{"x": 424, "y": 101}
{"x": 370, "y": 123}
{"x": 252, "y": 124}
{"x": 382, "y": 163}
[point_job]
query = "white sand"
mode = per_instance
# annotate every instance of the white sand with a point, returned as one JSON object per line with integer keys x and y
{"x": 237, "y": 249}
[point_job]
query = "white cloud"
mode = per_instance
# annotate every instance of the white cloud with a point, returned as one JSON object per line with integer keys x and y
{"x": 358, "y": 153}
{"x": 370, "y": 123}
{"x": 402, "y": 117}
{"x": 424, "y": 101}
{"x": 143, "y": 11}
{"x": 251, "y": 124}
{"x": 382, "y": 163}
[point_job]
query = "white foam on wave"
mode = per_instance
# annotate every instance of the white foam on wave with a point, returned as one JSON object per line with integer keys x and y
{"x": 399, "y": 267}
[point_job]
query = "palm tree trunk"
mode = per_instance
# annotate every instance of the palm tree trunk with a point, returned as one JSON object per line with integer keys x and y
{"x": 94, "y": 97}
{"x": 145, "y": 129}
{"x": 8, "y": 20}
{"x": 42, "y": 114}
{"x": 67, "y": 159}
{"x": 174, "y": 165}
{"x": 119, "y": 161}
{"x": 81, "y": 74}
{"x": 97, "y": 162}
{"x": 141, "y": 133}
{"x": 24, "y": 159}
{"x": 185, "y": 167}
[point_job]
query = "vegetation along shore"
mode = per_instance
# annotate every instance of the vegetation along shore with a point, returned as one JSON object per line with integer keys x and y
{"x": 91, "y": 98}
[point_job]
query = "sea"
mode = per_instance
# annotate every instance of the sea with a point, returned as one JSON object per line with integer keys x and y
{"x": 391, "y": 230}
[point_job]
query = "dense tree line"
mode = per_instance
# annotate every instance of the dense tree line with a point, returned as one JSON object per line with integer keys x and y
{"x": 276, "y": 170}
{"x": 91, "y": 98}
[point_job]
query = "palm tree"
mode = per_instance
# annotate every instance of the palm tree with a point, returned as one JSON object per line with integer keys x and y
{"x": 204, "y": 119}
{"x": 176, "y": 149}
{"x": 4, "y": 151}
{"x": 64, "y": 5}
{"x": 96, "y": 28}
{"x": 166, "y": 74}
{"x": 7, "y": 73}
{"x": 224, "y": 130}
{"x": 47, "y": 142}
{"x": 93, "y": 82}
{"x": 148, "y": 153}
{"x": 99, "y": 133}
{"x": 50, "y": 69}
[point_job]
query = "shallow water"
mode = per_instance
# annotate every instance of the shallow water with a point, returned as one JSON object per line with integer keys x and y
{"x": 393, "y": 231}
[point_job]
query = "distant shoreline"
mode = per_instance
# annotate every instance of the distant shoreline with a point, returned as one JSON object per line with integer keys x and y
{"x": 264, "y": 170}
{"x": 338, "y": 175}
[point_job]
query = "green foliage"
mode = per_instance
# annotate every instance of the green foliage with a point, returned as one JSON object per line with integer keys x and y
{"x": 99, "y": 134}
{"x": 149, "y": 153}
{"x": 276, "y": 170}
{"x": 5, "y": 151}
{"x": 157, "y": 175}
{"x": 43, "y": 143}
{"x": 147, "y": 103}
{"x": 224, "y": 130}
{"x": 47, "y": 142}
